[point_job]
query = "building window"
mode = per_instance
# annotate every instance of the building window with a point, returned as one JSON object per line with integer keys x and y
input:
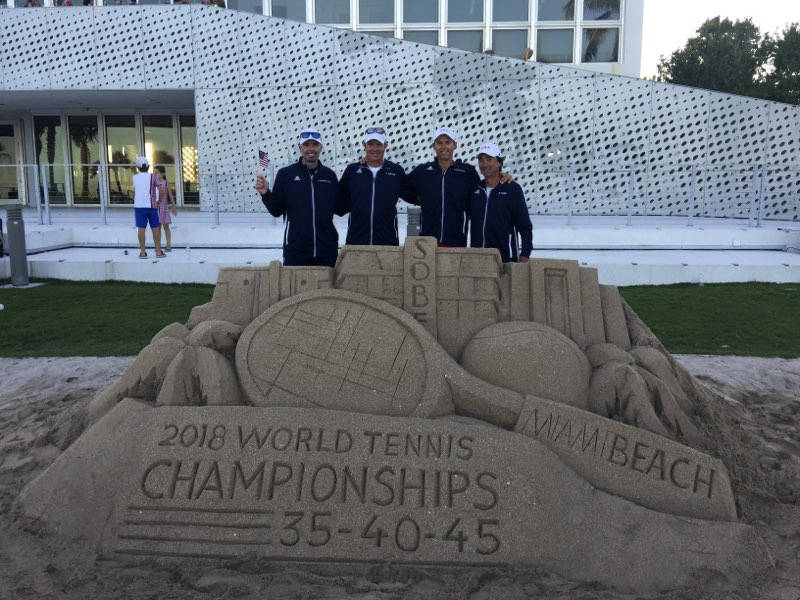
{"x": 294, "y": 10}
{"x": 332, "y": 11}
{"x": 385, "y": 34}
{"x": 509, "y": 42}
{"x": 554, "y": 45}
{"x": 159, "y": 144}
{"x": 601, "y": 10}
{"x": 420, "y": 11}
{"x": 466, "y": 40}
{"x": 556, "y": 10}
{"x": 85, "y": 146}
{"x": 9, "y": 171}
{"x": 375, "y": 11}
{"x": 121, "y": 156}
{"x": 421, "y": 37}
{"x": 191, "y": 175}
{"x": 49, "y": 141}
{"x": 465, "y": 11}
{"x": 510, "y": 10}
{"x": 600, "y": 45}
{"x": 251, "y": 6}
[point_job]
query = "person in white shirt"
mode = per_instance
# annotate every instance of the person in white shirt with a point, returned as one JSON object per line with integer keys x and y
{"x": 143, "y": 208}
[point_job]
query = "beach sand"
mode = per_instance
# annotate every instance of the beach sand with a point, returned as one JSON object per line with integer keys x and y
{"x": 42, "y": 407}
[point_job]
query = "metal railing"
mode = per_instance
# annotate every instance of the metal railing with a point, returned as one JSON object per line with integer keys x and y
{"x": 683, "y": 190}
{"x": 102, "y": 185}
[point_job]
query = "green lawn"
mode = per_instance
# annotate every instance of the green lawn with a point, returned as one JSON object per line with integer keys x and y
{"x": 66, "y": 318}
{"x": 746, "y": 319}
{"x": 86, "y": 318}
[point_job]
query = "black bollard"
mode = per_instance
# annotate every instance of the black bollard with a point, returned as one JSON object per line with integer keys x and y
{"x": 16, "y": 245}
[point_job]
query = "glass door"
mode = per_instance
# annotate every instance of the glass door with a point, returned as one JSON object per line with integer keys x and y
{"x": 121, "y": 157}
{"x": 191, "y": 175}
{"x": 159, "y": 145}
{"x": 10, "y": 173}
{"x": 48, "y": 138}
{"x": 85, "y": 146}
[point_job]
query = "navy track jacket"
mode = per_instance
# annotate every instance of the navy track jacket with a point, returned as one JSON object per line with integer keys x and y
{"x": 372, "y": 202}
{"x": 307, "y": 204}
{"x": 495, "y": 221}
{"x": 444, "y": 197}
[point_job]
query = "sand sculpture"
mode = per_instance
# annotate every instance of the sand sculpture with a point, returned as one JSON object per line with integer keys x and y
{"x": 412, "y": 404}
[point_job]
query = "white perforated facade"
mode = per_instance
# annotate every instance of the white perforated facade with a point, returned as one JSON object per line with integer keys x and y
{"x": 577, "y": 141}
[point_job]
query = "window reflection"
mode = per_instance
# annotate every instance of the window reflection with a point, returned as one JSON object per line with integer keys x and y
{"x": 554, "y": 45}
{"x": 9, "y": 186}
{"x": 332, "y": 11}
{"x": 600, "y": 10}
{"x": 556, "y": 10}
{"x": 420, "y": 11}
{"x": 49, "y": 141}
{"x": 120, "y": 151}
{"x": 191, "y": 194}
{"x": 376, "y": 11}
{"x": 159, "y": 144}
{"x": 600, "y": 45}
{"x": 509, "y": 42}
{"x": 466, "y": 40}
{"x": 294, "y": 10}
{"x": 510, "y": 10}
{"x": 464, "y": 11}
{"x": 85, "y": 159}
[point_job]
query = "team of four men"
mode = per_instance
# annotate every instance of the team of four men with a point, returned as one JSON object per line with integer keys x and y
{"x": 453, "y": 198}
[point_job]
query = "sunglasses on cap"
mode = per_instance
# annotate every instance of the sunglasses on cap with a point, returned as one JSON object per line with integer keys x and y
{"x": 375, "y": 130}
{"x": 310, "y": 135}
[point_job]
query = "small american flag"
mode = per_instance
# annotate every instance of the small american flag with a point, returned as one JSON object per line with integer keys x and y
{"x": 263, "y": 159}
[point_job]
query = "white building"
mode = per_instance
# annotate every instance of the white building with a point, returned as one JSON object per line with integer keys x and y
{"x": 601, "y": 35}
{"x": 84, "y": 90}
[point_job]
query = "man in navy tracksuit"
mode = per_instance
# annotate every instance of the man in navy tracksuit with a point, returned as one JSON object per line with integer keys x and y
{"x": 370, "y": 190}
{"x": 498, "y": 212}
{"x": 442, "y": 188}
{"x": 307, "y": 195}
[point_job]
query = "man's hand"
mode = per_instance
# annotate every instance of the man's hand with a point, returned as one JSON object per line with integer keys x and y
{"x": 262, "y": 187}
{"x": 523, "y": 259}
{"x": 505, "y": 177}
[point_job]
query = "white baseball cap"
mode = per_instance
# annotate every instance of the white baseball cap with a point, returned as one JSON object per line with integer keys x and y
{"x": 444, "y": 131}
{"x": 142, "y": 162}
{"x": 309, "y": 133}
{"x": 375, "y": 133}
{"x": 490, "y": 149}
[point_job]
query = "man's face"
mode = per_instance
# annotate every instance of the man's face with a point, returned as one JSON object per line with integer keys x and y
{"x": 374, "y": 151}
{"x": 489, "y": 165}
{"x": 444, "y": 147}
{"x": 310, "y": 150}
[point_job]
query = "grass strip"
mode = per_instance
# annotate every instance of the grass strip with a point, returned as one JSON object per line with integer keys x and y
{"x": 745, "y": 319}
{"x": 88, "y": 318}
{"x": 113, "y": 318}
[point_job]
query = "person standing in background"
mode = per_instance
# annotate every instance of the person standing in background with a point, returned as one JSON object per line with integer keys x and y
{"x": 164, "y": 202}
{"x": 144, "y": 209}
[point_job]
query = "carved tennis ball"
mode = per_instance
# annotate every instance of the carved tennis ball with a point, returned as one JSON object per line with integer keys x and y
{"x": 530, "y": 358}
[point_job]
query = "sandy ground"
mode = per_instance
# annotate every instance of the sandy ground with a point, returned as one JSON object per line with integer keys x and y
{"x": 42, "y": 401}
